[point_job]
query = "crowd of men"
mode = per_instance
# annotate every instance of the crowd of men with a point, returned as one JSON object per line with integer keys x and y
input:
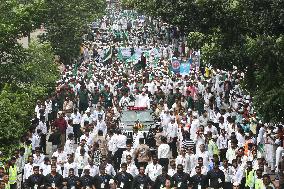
{"x": 207, "y": 135}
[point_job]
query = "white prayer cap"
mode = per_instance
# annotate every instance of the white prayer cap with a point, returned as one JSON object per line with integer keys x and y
{"x": 214, "y": 136}
{"x": 275, "y": 130}
{"x": 194, "y": 114}
{"x": 277, "y": 142}
{"x": 111, "y": 181}
{"x": 235, "y": 184}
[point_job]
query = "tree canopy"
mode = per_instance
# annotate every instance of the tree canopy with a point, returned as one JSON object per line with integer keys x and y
{"x": 35, "y": 80}
{"x": 27, "y": 75}
{"x": 66, "y": 22}
{"x": 243, "y": 33}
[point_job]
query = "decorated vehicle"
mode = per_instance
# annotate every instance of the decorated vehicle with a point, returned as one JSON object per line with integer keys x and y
{"x": 139, "y": 118}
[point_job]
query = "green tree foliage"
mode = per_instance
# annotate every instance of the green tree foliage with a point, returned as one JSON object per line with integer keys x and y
{"x": 17, "y": 19}
{"x": 36, "y": 79}
{"x": 30, "y": 74}
{"x": 243, "y": 33}
{"x": 66, "y": 22}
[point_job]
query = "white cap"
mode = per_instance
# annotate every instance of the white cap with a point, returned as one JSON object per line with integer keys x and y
{"x": 235, "y": 184}
{"x": 111, "y": 181}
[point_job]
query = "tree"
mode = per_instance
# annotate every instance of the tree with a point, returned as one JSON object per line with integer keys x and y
{"x": 243, "y": 33}
{"x": 17, "y": 19}
{"x": 35, "y": 79}
{"x": 66, "y": 22}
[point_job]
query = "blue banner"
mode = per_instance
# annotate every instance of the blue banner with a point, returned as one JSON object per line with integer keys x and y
{"x": 184, "y": 68}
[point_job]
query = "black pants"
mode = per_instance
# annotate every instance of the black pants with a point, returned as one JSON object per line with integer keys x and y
{"x": 173, "y": 146}
{"x": 223, "y": 154}
{"x": 83, "y": 106}
{"x": 164, "y": 162}
{"x": 13, "y": 186}
{"x": 117, "y": 157}
{"x": 80, "y": 171}
{"x": 77, "y": 132}
{"x": 228, "y": 185}
{"x": 43, "y": 143}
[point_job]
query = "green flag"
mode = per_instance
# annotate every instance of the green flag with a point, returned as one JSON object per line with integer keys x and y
{"x": 75, "y": 70}
{"x": 108, "y": 55}
{"x": 119, "y": 55}
{"x": 155, "y": 62}
{"x": 147, "y": 54}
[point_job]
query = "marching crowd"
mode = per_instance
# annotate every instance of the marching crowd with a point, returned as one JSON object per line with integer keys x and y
{"x": 207, "y": 135}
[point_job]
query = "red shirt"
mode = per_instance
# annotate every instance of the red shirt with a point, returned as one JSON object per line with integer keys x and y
{"x": 61, "y": 124}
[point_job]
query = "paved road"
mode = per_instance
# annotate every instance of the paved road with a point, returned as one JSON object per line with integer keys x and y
{"x": 24, "y": 40}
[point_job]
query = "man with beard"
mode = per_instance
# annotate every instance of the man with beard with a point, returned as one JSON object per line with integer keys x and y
{"x": 53, "y": 179}
{"x": 123, "y": 179}
{"x": 198, "y": 181}
{"x": 101, "y": 181}
{"x": 36, "y": 180}
{"x": 87, "y": 181}
{"x": 141, "y": 181}
{"x": 72, "y": 181}
{"x": 181, "y": 179}
{"x": 216, "y": 177}
{"x": 161, "y": 179}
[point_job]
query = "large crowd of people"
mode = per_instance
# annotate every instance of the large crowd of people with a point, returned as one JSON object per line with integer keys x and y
{"x": 207, "y": 133}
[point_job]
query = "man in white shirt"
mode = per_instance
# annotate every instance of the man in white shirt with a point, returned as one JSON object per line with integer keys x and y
{"x": 204, "y": 169}
{"x": 173, "y": 169}
{"x": 222, "y": 143}
{"x": 153, "y": 169}
{"x": 199, "y": 139}
{"x": 42, "y": 126}
{"x": 165, "y": 118}
{"x": 94, "y": 170}
{"x": 204, "y": 154}
{"x": 70, "y": 164}
{"x": 143, "y": 100}
{"x": 192, "y": 159}
{"x": 76, "y": 120}
{"x": 184, "y": 160}
{"x": 87, "y": 117}
{"x": 231, "y": 152}
{"x": 61, "y": 156}
{"x": 101, "y": 125}
{"x": 45, "y": 167}
{"x": 228, "y": 173}
{"x": 164, "y": 152}
{"x": 128, "y": 152}
{"x": 106, "y": 163}
{"x": 131, "y": 167}
{"x": 121, "y": 146}
{"x": 69, "y": 145}
{"x": 36, "y": 139}
{"x": 124, "y": 101}
{"x": 28, "y": 169}
{"x": 86, "y": 135}
{"x": 38, "y": 157}
{"x": 171, "y": 133}
{"x": 210, "y": 128}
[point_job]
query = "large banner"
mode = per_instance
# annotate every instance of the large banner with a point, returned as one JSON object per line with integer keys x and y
{"x": 181, "y": 67}
{"x": 184, "y": 68}
{"x": 176, "y": 66}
